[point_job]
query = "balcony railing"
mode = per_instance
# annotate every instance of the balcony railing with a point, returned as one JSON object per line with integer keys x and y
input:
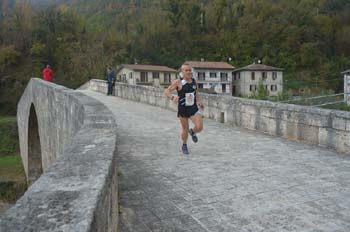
{"x": 201, "y": 78}
{"x": 144, "y": 83}
{"x": 223, "y": 79}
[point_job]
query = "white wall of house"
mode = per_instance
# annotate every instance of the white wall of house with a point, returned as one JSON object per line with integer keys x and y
{"x": 126, "y": 75}
{"x": 213, "y": 79}
{"x": 135, "y": 77}
{"x": 245, "y": 84}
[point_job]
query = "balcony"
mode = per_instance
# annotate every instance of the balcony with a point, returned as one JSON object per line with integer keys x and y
{"x": 223, "y": 78}
{"x": 144, "y": 83}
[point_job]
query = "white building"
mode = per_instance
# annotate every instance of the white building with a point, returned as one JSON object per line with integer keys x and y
{"x": 138, "y": 74}
{"x": 347, "y": 86}
{"x": 214, "y": 77}
{"x": 246, "y": 79}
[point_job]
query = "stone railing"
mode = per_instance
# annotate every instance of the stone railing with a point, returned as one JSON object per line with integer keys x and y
{"x": 68, "y": 149}
{"x": 322, "y": 127}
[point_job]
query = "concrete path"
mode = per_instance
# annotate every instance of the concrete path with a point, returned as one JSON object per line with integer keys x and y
{"x": 233, "y": 180}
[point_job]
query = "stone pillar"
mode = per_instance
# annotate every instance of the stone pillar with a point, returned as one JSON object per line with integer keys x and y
{"x": 347, "y": 86}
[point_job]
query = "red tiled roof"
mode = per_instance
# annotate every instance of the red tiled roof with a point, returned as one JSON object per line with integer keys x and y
{"x": 141, "y": 67}
{"x": 208, "y": 64}
{"x": 258, "y": 67}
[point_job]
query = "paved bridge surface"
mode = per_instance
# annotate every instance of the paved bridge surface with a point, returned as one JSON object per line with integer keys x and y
{"x": 233, "y": 180}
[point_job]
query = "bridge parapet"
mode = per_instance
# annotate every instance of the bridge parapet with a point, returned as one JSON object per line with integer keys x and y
{"x": 71, "y": 138}
{"x": 322, "y": 127}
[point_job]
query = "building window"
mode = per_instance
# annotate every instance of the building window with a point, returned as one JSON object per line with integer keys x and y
{"x": 124, "y": 77}
{"x": 144, "y": 76}
{"x": 130, "y": 75}
{"x": 274, "y": 75}
{"x": 155, "y": 75}
{"x": 273, "y": 88}
{"x": 167, "y": 77}
{"x": 252, "y": 88}
{"x": 223, "y": 76}
{"x": 212, "y": 74}
{"x": 263, "y": 76}
{"x": 200, "y": 86}
{"x": 253, "y": 76}
{"x": 238, "y": 76}
{"x": 201, "y": 76}
{"x": 223, "y": 88}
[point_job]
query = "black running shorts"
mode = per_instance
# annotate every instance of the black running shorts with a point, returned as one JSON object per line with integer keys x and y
{"x": 187, "y": 111}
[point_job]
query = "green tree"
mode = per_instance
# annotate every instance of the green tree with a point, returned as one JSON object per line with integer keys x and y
{"x": 261, "y": 93}
{"x": 8, "y": 56}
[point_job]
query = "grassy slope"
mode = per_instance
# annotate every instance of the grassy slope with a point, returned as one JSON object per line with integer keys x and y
{"x": 12, "y": 176}
{"x": 8, "y": 136}
{"x": 11, "y": 168}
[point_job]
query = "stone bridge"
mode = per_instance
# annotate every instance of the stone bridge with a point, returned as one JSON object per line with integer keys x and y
{"x": 259, "y": 166}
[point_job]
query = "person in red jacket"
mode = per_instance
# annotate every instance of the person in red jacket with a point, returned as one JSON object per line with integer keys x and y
{"x": 48, "y": 74}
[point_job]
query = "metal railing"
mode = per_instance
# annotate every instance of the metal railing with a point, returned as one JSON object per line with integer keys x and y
{"x": 318, "y": 100}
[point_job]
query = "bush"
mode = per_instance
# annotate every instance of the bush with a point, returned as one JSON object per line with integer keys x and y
{"x": 37, "y": 49}
{"x": 8, "y": 56}
{"x": 284, "y": 95}
{"x": 10, "y": 191}
{"x": 261, "y": 93}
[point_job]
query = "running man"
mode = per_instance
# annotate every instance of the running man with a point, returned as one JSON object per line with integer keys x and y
{"x": 188, "y": 103}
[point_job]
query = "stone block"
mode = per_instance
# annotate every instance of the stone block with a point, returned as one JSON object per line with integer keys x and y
{"x": 268, "y": 125}
{"x": 347, "y": 126}
{"x": 248, "y": 121}
{"x": 342, "y": 142}
{"x": 308, "y": 134}
{"x": 323, "y": 137}
{"x": 289, "y": 130}
{"x": 249, "y": 109}
{"x": 315, "y": 120}
{"x": 339, "y": 123}
{"x": 290, "y": 116}
{"x": 268, "y": 112}
{"x": 237, "y": 118}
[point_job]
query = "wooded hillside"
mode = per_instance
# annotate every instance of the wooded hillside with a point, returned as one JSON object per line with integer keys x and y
{"x": 79, "y": 38}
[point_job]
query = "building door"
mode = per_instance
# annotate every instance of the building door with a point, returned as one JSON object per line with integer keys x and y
{"x": 233, "y": 90}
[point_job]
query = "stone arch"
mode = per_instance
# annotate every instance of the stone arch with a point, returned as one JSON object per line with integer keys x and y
{"x": 34, "y": 149}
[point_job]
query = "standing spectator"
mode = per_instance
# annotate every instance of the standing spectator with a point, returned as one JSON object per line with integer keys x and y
{"x": 110, "y": 80}
{"x": 48, "y": 74}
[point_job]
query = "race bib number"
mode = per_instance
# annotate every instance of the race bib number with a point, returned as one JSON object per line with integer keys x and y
{"x": 189, "y": 99}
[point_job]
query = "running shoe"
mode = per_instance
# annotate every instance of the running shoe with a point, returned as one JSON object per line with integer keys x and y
{"x": 193, "y": 135}
{"x": 185, "y": 149}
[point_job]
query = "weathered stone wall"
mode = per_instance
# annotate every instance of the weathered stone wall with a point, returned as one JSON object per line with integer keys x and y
{"x": 322, "y": 127}
{"x": 78, "y": 188}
